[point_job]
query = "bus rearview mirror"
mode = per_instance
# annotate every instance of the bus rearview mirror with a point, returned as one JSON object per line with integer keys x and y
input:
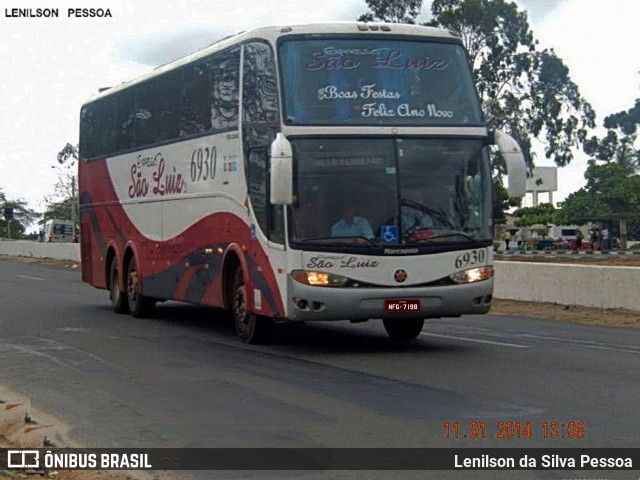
{"x": 516, "y": 168}
{"x": 281, "y": 172}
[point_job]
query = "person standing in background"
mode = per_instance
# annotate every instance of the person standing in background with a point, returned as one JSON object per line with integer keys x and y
{"x": 604, "y": 240}
{"x": 507, "y": 239}
{"x": 519, "y": 239}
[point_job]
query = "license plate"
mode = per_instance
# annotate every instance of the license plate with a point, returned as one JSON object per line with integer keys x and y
{"x": 401, "y": 305}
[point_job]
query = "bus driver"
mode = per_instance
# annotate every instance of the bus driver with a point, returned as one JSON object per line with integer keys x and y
{"x": 351, "y": 225}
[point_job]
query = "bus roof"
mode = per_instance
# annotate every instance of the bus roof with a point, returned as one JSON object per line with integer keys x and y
{"x": 274, "y": 32}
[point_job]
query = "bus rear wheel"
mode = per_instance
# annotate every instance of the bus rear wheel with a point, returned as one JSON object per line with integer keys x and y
{"x": 139, "y": 305}
{"x": 403, "y": 328}
{"x": 116, "y": 295}
{"x": 251, "y": 328}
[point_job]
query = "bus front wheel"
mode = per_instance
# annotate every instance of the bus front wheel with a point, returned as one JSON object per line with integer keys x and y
{"x": 116, "y": 295}
{"x": 403, "y": 328}
{"x": 251, "y": 328}
{"x": 139, "y": 305}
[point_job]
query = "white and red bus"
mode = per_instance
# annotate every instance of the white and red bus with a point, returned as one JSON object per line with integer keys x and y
{"x": 220, "y": 179}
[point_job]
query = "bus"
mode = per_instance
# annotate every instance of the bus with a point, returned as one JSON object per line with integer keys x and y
{"x": 219, "y": 179}
{"x": 58, "y": 231}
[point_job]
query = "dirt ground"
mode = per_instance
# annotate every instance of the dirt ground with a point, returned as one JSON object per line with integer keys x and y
{"x": 41, "y": 431}
{"x": 628, "y": 260}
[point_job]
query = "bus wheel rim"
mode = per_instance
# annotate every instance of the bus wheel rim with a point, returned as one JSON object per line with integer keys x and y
{"x": 132, "y": 289}
{"x": 240, "y": 307}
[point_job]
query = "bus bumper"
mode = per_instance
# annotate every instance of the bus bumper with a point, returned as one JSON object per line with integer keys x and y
{"x": 307, "y": 303}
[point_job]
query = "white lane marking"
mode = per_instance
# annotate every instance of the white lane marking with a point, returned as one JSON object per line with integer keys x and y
{"x": 512, "y": 345}
{"x": 596, "y": 345}
{"x": 31, "y": 278}
{"x": 618, "y": 347}
{"x": 600, "y": 347}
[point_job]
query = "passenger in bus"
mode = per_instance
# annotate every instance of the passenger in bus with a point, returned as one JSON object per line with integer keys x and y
{"x": 351, "y": 225}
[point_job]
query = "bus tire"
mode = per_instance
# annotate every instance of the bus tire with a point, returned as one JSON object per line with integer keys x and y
{"x": 139, "y": 305}
{"x": 116, "y": 294}
{"x": 251, "y": 328}
{"x": 403, "y": 328}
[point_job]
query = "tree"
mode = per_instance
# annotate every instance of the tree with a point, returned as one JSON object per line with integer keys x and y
{"x": 23, "y": 217}
{"x": 501, "y": 201}
{"x": 609, "y": 189}
{"x": 543, "y": 213}
{"x": 618, "y": 145}
{"x": 63, "y": 204}
{"x": 526, "y": 92}
{"x": 396, "y": 11}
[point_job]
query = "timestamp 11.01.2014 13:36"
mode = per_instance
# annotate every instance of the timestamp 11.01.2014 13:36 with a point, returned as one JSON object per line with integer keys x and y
{"x": 551, "y": 429}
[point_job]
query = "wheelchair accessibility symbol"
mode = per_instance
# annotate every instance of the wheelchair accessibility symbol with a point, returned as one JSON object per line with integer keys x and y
{"x": 389, "y": 234}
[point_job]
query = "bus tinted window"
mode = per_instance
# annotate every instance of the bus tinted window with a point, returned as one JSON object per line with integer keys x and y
{"x": 196, "y": 99}
{"x": 377, "y": 82}
{"x": 62, "y": 229}
{"x": 260, "y": 92}
{"x": 168, "y": 106}
{"x": 225, "y": 89}
{"x": 90, "y": 128}
{"x": 195, "y": 113}
{"x": 125, "y": 114}
{"x": 144, "y": 120}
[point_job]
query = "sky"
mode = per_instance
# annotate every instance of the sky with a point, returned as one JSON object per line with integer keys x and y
{"x": 50, "y": 66}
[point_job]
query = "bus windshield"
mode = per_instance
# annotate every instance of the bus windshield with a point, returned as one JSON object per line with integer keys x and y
{"x": 380, "y": 192}
{"x": 377, "y": 81}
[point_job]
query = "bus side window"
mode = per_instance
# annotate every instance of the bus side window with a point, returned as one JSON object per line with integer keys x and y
{"x": 225, "y": 89}
{"x": 260, "y": 90}
{"x": 125, "y": 116}
{"x": 144, "y": 132}
{"x": 89, "y": 130}
{"x": 270, "y": 218}
{"x": 168, "y": 113}
{"x": 257, "y": 186}
{"x": 276, "y": 223}
{"x": 195, "y": 114}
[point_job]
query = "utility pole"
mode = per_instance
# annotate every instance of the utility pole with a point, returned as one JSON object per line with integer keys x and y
{"x": 73, "y": 205}
{"x": 8, "y": 216}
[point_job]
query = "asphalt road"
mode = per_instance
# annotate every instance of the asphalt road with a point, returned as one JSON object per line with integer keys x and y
{"x": 182, "y": 379}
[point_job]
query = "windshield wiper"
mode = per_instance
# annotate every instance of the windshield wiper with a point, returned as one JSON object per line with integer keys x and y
{"x": 456, "y": 234}
{"x": 437, "y": 214}
{"x": 337, "y": 240}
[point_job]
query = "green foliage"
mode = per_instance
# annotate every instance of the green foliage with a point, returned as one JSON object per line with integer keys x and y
{"x": 23, "y": 217}
{"x": 626, "y": 121}
{"x": 69, "y": 153}
{"x": 526, "y": 92}
{"x": 619, "y": 143}
{"x": 62, "y": 210}
{"x": 543, "y": 213}
{"x": 501, "y": 201}
{"x": 396, "y": 11}
{"x": 576, "y": 209}
{"x": 63, "y": 204}
{"x": 609, "y": 189}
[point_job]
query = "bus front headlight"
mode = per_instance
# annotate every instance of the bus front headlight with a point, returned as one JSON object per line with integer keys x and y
{"x": 319, "y": 279}
{"x": 472, "y": 275}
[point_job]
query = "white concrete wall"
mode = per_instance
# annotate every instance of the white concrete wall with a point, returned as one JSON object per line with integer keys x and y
{"x": 25, "y": 248}
{"x": 586, "y": 285}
